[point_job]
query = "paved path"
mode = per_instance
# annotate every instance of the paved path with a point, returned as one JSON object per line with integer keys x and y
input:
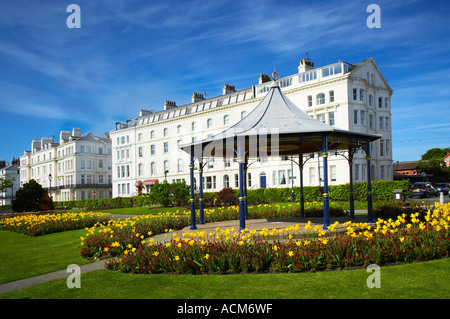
{"x": 31, "y": 281}
{"x": 257, "y": 224}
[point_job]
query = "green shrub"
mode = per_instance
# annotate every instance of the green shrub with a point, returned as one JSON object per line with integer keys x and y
{"x": 28, "y": 197}
{"x": 166, "y": 194}
{"x": 5, "y": 207}
{"x": 226, "y": 197}
{"x": 180, "y": 192}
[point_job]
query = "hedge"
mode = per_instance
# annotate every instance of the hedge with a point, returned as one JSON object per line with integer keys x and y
{"x": 381, "y": 190}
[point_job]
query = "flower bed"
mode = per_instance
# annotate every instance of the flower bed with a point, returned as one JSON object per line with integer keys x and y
{"x": 116, "y": 237}
{"x": 36, "y": 225}
{"x": 389, "y": 241}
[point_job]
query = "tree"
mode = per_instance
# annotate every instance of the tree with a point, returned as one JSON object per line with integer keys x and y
{"x": 6, "y": 182}
{"x": 169, "y": 194}
{"x": 435, "y": 154}
{"x": 29, "y": 198}
{"x": 432, "y": 163}
{"x": 180, "y": 192}
{"x": 160, "y": 194}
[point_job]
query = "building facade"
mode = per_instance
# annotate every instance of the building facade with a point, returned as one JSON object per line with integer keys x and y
{"x": 354, "y": 97}
{"x": 446, "y": 159}
{"x": 77, "y": 167}
{"x": 9, "y": 172}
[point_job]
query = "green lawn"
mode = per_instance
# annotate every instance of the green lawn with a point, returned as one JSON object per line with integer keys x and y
{"x": 418, "y": 280}
{"x": 22, "y": 256}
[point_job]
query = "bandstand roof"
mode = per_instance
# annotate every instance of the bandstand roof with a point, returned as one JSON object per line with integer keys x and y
{"x": 277, "y": 127}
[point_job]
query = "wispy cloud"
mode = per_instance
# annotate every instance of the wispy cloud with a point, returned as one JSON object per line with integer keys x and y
{"x": 135, "y": 54}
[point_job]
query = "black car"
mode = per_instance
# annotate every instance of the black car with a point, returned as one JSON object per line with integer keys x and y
{"x": 422, "y": 189}
{"x": 441, "y": 187}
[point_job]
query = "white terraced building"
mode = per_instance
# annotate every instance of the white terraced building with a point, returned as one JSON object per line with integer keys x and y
{"x": 76, "y": 167}
{"x": 355, "y": 97}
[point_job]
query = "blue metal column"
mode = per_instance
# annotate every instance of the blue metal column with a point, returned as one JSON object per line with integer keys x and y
{"x": 241, "y": 186}
{"x": 292, "y": 180}
{"x": 326, "y": 202}
{"x": 245, "y": 188}
{"x": 200, "y": 176}
{"x": 302, "y": 197}
{"x": 191, "y": 172}
{"x": 352, "y": 197}
{"x": 369, "y": 187}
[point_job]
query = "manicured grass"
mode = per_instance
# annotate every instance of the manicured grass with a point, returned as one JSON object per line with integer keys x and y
{"x": 417, "y": 280}
{"x": 22, "y": 256}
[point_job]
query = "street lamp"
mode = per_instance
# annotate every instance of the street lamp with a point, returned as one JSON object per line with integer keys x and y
{"x": 165, "y": 174}
{"x": 50, "y": 184}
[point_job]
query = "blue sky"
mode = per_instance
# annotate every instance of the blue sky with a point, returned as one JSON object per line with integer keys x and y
{"x": 130, "y": 55}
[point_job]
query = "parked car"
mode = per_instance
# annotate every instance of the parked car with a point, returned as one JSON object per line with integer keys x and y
{"x": 422, "y": 189}
{"x": 441, "y": 187}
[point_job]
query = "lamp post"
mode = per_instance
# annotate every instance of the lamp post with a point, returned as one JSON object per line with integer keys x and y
{"x": 50, "y": 184}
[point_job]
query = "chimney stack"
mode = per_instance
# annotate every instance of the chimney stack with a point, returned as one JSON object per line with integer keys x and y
{"x": 35, "y": 146}
{"x": 228, "y": 88}
{"x": 76, "y": 132}
{"x": 169, "y": 105}
{"x": 305, "y": 65}
{"x": 64, "y": 136}
{"x": 196, "y": 97}
{"x": 263, "y": 78}
{"x": 144, "y": 112}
